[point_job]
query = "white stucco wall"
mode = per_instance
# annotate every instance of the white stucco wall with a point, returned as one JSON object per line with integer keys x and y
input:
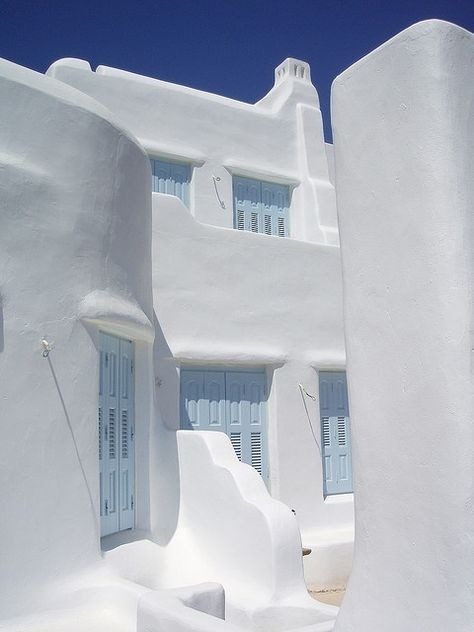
{"x": 226, "y": 297}
{"x": 278, "y": 139}
{"x": 223, "y": 297}
{"x": 74, "y": 254}
{"x": 75, "y": 234}
{"x": 403, "y": 128}
{"x": 227, "y": 529}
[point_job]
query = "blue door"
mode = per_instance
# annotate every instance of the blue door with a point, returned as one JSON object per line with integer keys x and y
{"x": 229, "y": 401}
{"x": 335, "y": 432}
{"x": 116, "y": 434}
{"x": 261, "y": 207}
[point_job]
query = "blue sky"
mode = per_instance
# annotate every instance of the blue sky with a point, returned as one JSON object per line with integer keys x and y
{"x": 230, "y": 47}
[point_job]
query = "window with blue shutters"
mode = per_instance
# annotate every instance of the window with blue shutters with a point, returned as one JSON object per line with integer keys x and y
{"x": 116, "y": 434}
{"x": 230, "y": 401}
{"x": 172, "y": 178}
{"x": 261, "y": 207}
{"x": 335, "y": 433}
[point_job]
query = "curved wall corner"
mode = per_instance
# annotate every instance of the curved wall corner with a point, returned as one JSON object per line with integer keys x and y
{"x": 404, "y": 132}
{"x": 75, "y": 219}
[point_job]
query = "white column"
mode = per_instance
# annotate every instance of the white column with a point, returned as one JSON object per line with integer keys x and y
{"x": 404, "y": 136}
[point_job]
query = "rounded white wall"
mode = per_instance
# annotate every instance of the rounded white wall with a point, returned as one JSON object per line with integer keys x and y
{"x": 407, "y": 253}
{"x": 75, "y": 243}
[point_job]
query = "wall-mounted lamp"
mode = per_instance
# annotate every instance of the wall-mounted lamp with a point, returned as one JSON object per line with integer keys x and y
{"x": 47, "y": 347}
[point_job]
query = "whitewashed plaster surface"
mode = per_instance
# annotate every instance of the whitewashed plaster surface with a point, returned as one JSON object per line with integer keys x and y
{"x": 404, "y": 133}
{"x": 274, "y": 318}
{"x": 279, "y": 139}
{"x": 231, "y": 298}
{"x": 75, "y": 255}
{"x": 227, "y": 529}
{"x": 69, "y": 177}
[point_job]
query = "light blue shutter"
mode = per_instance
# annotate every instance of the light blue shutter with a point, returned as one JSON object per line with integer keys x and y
{"x": 192, "y": 393}
{"x": 108, "y": 442}
{"x": 179, "y": 181}
{"x": 247, "y": 204}
{"x": 261, "y": 207}
{"x": 172, "y": 178}
{"x": 229, "y": 401}
{"x": 281, "y": 202}
{"x": 116, "y": 431}
{"x": 335, "y": 432}
{"x": 214, "y": 397}
{"x": 246, "y": 417}
{"x": 103, "y": 462}
{"x": 275, "y": 202}
{"x": 268, "y": 211}
{"x": 203, "y": 400}
{"x": 127, "y": 434}
{"x": 161, "y": 175}
{"x": 238, "y": 413}
{"x": 255, "y": 393}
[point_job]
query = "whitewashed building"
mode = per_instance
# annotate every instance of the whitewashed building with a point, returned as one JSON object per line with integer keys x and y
{"x": 243, "y": 208}
{"x": 170, "y": 266}
{"x": 117, "y": 302}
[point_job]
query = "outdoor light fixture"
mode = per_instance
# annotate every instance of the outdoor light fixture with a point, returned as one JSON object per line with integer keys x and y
{"x": 47, "y": 347}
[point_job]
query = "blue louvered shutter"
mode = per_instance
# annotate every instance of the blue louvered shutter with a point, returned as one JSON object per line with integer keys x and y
{"x": 161, "y": 175}
{"x": 275, "y": 203}
{"x": 247, "y": 204}
{"x": 335, "y": 432}
{"x": 237, "y": 413}
{"x": 116, "y": 432}
{"x": 172, "y": 178}
{"x": 261, "y": 207}
{"x": 180, "y": 176}
{"x": 192, "y": 393}
{"x": 246, "y": 417}
{"x": 257, "y": 436}
{"x": 203, "y": 400}
{"x": 126, "y": 436}
{"x": 108, "y": 442}
{"x": 103, "y": 461}
{"x": 228, "y": 401}
{"x": 214, "y": 392}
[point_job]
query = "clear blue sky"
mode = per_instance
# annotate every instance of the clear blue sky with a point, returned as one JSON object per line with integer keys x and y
{"x": 229, "y": 47}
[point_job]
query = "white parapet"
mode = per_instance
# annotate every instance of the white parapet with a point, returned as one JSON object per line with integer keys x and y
{"x": 191, "y": 609}
{"x": 404, "y": 132}
{"x": 234, "y": 531}
{"x": 229, "y": 532}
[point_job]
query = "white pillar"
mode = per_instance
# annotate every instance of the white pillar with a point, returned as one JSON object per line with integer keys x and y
{"x": 404, "y": 136}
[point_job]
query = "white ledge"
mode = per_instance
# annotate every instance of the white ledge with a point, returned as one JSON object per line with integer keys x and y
{"x": 119, "y": 315}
